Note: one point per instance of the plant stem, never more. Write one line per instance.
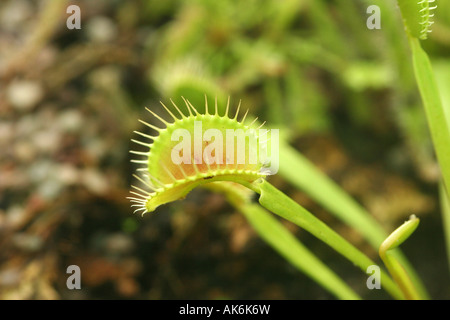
(276, 201)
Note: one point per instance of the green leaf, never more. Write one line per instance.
(434, 109)
(445, 205)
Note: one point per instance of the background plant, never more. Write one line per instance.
(346, 96)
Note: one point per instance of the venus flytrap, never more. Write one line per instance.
(169, 179)
(417, 16)
(166, 181)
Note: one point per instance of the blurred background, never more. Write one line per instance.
(343, 95)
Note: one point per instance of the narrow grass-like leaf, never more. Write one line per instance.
(445, 207)
(434, 109)
(443, 79)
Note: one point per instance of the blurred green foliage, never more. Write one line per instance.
(308, 66)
